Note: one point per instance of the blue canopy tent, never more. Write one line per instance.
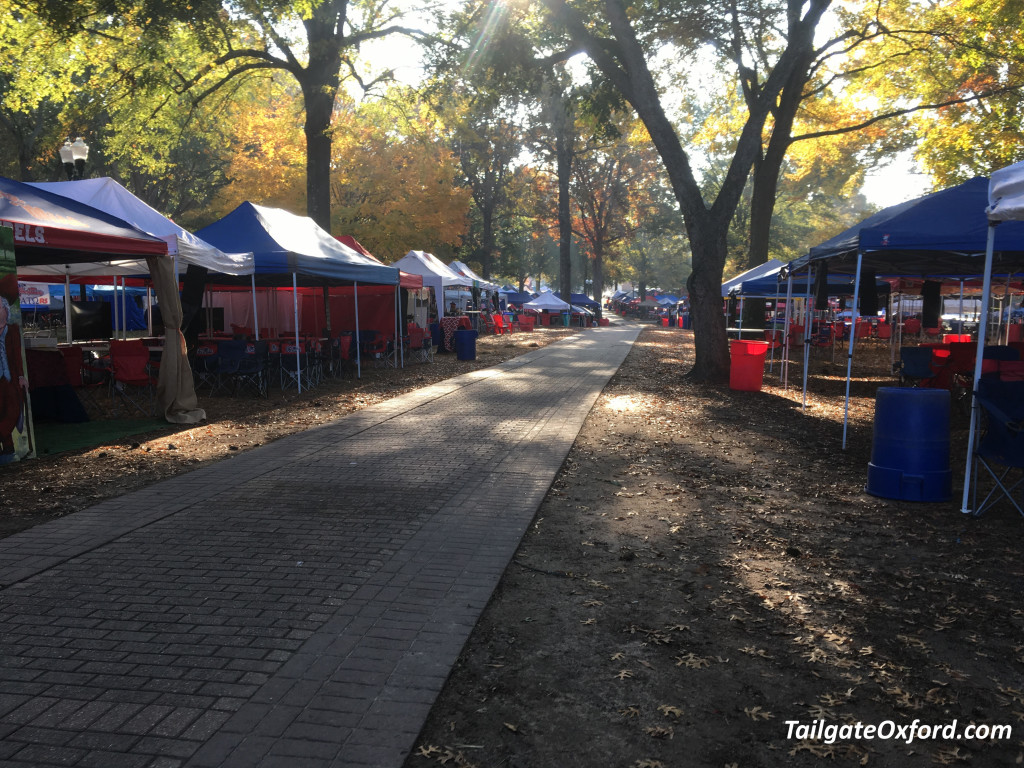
(943, 234)
(772, 266)
(580, 300)
(284, 245)
(518, 298)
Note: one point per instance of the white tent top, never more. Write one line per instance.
(434, 273)
(770, 266)
(429, 266)
(107, 195)
(462, 269)
(1006, 194)
(548, 301)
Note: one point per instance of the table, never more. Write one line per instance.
(750, 333)
(449, 325)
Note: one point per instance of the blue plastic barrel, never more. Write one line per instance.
(910, 452)
(465, 345)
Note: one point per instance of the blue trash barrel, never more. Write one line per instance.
(910, 452)
(435, 336)
(465, 345)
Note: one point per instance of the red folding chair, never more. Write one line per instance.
(130, 375)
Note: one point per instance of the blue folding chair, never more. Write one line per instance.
(916, 366)
(999, 449)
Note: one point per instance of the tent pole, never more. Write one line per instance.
(960, 325)
(398, 337)
(775, 312)
(1005, 308)
(808, 320)
(327, 309)
(295, 305)
(255, 311)
(854, 316)
(67, 303)
(986, 287)
(124, 307)
(359, 356)
(115, 307)
(149, 310)
(784, 368)
(892, 336)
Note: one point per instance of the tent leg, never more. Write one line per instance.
(808, 320)
(854, 317)
(359, 356)
(255, 311)
(986, 287)
(298, 354)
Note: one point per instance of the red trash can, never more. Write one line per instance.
(746, 368)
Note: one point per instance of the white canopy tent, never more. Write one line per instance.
(436, 274)
(462, 269)
(548, 301)
(107, 195)
(1005, 203)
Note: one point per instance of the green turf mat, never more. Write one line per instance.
(56, 438)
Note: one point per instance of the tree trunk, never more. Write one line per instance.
(768, 167)
(705, 289)
(563, 152)
(598, 275)
(487, 247)
(320, 81)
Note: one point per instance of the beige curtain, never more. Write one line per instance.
(175, 391)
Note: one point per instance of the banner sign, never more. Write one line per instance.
(33, 295)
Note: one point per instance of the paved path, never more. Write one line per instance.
(297, 605)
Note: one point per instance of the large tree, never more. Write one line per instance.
(315, 41)
(617, 181)
(622, 43)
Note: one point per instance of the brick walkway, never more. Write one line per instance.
(297, 605)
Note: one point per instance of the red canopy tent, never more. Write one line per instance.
(52, 229)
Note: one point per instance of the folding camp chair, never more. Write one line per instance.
(294, 365)
(1000, 445)
(205, 367)
(822, 337)
(252, 369)
(85, 379)
(916, 366)
(231, 353)
(130, 377)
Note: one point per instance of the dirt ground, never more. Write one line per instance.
(706, 584)
(708, 580)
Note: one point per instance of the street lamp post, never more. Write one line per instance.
(73, 156)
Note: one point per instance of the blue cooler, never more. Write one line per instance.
(910, 452)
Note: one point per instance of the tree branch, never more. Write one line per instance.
(909, 110)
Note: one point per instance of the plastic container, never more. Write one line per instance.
(910, 451)
(746, 367)
(664, 322)
(565, 319)
(465, 344)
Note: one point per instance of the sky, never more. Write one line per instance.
(898, 182)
